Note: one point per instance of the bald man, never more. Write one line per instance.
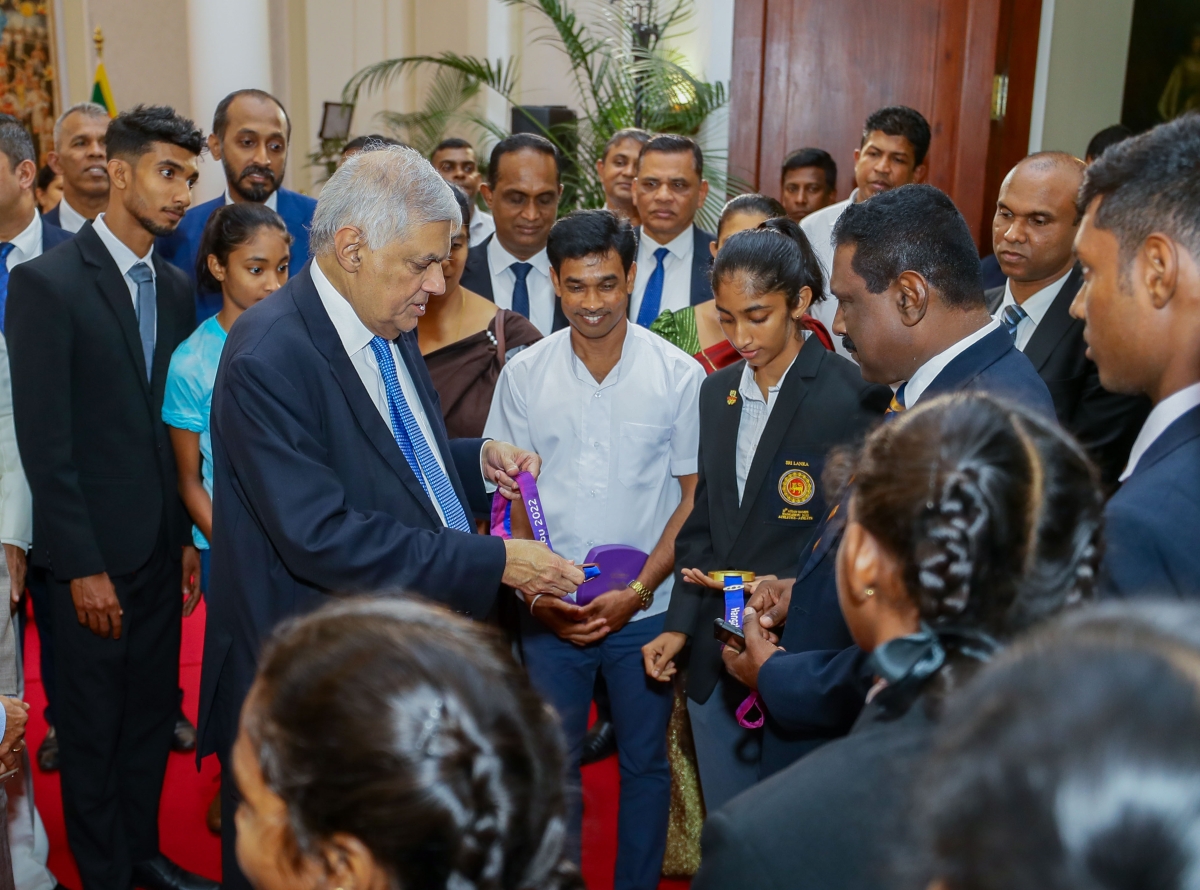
(1033, 233)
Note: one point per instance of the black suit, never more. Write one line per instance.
(102, 472)
(477, 277)
(1106, 423)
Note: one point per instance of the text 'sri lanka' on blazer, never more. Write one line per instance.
(1105, 423)
(815, 689)
(823, 404)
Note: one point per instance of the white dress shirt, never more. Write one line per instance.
(541, 289)
(927, 373)
(1161, 416)
(610, 451)
(356, 340)
(272, 199)
(756, 411)
(125, 258)
(16, 501)
(818, 226)
(482, 225)
(1036, 306)
(69, 218)
(677, 271)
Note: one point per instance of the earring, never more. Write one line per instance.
(870, 591)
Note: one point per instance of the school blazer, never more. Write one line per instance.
(1105, 423)
(823, 404)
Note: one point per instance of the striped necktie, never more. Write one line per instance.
(413, 444)
(1012, 317)
(897, 404)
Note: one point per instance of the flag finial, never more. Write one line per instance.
(98, 39)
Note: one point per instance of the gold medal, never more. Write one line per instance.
(720, 574)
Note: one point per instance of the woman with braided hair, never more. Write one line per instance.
(969, 520)
(389, 745)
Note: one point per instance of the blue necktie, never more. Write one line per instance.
(1013, 316)
(897, 404)
(147, 311)
(413, 444)
(652, 298)
(5, 249)
(520, 301)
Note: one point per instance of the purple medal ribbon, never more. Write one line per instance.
(502, 516)
(735, 605)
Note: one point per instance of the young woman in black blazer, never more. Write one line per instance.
(782, 408)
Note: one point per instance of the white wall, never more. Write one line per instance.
(1081, 72)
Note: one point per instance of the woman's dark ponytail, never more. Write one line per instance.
(774, 258)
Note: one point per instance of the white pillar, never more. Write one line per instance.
(229, 48)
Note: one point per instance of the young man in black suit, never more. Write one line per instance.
(911, 310)
(1033, 233)
(1139, 247)
(91, 327)
(673, 252)
(510, 267)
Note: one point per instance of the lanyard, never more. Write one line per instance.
(735, 599)
(502, 516)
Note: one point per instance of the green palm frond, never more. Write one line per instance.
(449, 91)
(500, 75)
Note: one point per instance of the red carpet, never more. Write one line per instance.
(187, 793)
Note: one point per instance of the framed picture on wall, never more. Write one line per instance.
(1162, 76)
(27, 71)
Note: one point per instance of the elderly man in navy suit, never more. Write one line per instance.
(251, 132)
(912, 313)
(1139, 247)
(332, 467)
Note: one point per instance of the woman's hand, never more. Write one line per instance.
(701, 579)
(659, 655)
(770, 599)
(760, 645)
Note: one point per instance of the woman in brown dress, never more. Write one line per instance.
(466, 339)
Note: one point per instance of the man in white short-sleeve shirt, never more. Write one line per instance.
(612, 410)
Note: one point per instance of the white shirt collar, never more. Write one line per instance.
(69, 218)
(499, 258)
(750, 390)
(1162, 416)
(613, 377)
(272, 199)
(125, 258)
(928, 372)
(350, 330)
(28, 244)
(680, 246)
(1036, 305)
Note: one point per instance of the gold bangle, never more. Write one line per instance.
(644, 593)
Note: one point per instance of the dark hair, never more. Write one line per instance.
(1070, 764)
(637, 134)
(358, 143)
(229, 227)
(751, 203)
(15, 141)
(583, 233)
(994, 513)
(918, 228)
(1149, 183)
(812, 157)
(672, 144)
(900, 120)
(45, 176)
(452, 142)
(1106, 137)
(131, 133)
(775, 257)
(221, 115)
(464, 204)
(413, 730)
(517, 142)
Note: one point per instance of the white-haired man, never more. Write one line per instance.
(79, 157)
(333, 471)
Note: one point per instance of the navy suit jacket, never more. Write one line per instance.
(1151, 523)
(182, 245)
(477, 277)
(702, 260)
(313, 497)
(54, 218)
(815, 689)
(52, 235)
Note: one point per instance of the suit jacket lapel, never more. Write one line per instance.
(724, 454)
(1055, 323)
(701, 287)
(787, 403)
(111, 284)
(326, 339)
(969, 363)
(1183, 430)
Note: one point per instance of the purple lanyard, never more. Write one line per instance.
(502, 516)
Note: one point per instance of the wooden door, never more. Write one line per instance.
(808, 72)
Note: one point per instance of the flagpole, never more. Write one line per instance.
(101, 91)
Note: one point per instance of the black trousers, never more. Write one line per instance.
(116, 707)
(43, 616)
(225, 716)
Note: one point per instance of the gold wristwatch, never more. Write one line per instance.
(644, 592)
